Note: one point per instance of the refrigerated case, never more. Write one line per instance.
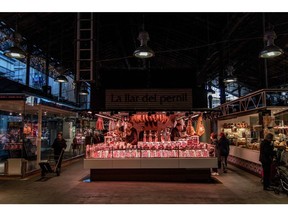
(182, 160)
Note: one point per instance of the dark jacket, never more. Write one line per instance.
(141, 135)
(224, 146)
(266, 152)
(174, 133)
(132, 138)
(58, 145)
(215, 142)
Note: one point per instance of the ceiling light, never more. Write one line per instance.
(83, 89)
(270, 50)
(230, 77)
(143, 51)
(61, 79)
(15, 51)
(83, 92)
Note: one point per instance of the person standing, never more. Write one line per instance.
(96, 137)
(131, 134)
(74, 145)
(141, 133)
(58, 145)
(266, 158)
(224, 151)
(175, 133)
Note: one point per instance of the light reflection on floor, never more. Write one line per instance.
(87, 180)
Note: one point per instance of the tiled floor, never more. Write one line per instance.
(234, 187)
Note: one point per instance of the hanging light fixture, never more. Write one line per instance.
(15, 51)
(83, 89)
(230, 77)
(143, 51)
(61, 79)
(83, 92)
(270, 50)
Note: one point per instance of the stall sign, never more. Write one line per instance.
(156, 99)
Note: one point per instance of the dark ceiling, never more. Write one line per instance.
(195, 47)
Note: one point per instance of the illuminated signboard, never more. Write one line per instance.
(157, 99)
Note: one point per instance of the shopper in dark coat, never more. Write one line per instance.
(266, 158)
(58, 145)
(224, 150)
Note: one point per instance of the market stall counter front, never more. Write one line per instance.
(150, 161)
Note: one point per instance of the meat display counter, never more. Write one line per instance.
(175, 160)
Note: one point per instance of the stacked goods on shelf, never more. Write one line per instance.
(173, 149)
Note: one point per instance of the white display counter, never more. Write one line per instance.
(245, 154)
(151, 169)
(145, 163)
(178, 160)
(246, 159)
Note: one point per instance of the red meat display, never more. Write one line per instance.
(179, 149)
(100, 124)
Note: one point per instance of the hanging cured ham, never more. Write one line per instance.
(189, 129)
(100, 124)
(200, 130)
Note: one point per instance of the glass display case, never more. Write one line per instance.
(172, 149)
(180, 159)
(155, 153)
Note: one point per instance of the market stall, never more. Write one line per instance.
(156, 157)
(28, 126)
(247, 120)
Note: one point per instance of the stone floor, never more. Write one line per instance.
(73, 187)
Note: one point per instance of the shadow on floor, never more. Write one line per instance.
(212, 180)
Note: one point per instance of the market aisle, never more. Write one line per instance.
(236, 186)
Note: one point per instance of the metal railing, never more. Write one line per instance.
(260, 99)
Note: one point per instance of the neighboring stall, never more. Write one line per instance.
(28, 126)
(248, 119)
